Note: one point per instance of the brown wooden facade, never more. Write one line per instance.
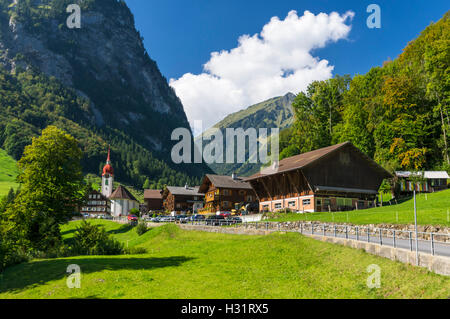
(182, 199)
(153, 199)
(222, 193)
(335, 178)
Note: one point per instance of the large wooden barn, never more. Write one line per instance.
(334, 178)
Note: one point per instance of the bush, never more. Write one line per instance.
(141, 228)
(93, 240)
(11, 254)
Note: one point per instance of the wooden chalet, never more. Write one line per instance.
(425, 182)
(96, 203)
(182, 199)
(334, 178)
(223, 192)
(153, 199)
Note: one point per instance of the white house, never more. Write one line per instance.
(122, 201)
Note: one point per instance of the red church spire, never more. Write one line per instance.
(108, 160)
(107, 169)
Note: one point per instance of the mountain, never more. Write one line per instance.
(97, 82)
(274, 113)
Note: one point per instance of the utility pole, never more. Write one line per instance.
(415, 225)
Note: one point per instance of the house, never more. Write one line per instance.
(182, 199)
(334, 178)
(427, 181)
(122, 201)
(222, 193)
(153, 199)
(96, 203)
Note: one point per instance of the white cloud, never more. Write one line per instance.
(275, 61)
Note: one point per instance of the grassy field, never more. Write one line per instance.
(190, 264)
(8, 173)
(432, 209)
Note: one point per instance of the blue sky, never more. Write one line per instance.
(181, 34)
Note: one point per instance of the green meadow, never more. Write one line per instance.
(8, 173)
(192, 264)
(432, 209)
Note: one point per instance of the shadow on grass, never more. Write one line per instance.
(33, 274)
(122, 229)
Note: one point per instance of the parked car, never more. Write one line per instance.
(184, 219)
(196, 217)
(215, 220)
(167, 219)
(235, 220)
(225, 214)
(132, 218)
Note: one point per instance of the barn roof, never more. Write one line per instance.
(152, 194)
(425, 174)
(122, 193)
(188, 191)
(306, 159)
(225, 181)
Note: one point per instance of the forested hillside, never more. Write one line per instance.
(97, 82)
(274, 113)
(397, 114)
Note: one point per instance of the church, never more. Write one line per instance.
(117, 202)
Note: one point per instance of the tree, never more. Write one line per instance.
(146, 184)
(52, 188)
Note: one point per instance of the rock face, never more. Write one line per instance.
(104, 61)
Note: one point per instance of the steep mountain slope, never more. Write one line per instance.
(273, 113)
(113, 92)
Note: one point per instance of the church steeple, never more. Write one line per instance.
(108, 169)
(108, 176)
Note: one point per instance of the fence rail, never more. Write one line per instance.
(429, 242)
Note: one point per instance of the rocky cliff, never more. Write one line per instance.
(104, 62)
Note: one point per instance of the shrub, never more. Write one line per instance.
(135, 251)
(93, 240)
(141, 228)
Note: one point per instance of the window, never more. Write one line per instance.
(291, 204)
(306, 202)
(319, 202)
(90, 196)
(226, 204)
(327, 202)
(241, 192)
(265, 207)
(106, 182)
(249, 198)
(277, 205)
(226, 192)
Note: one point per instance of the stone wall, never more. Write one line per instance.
(437, 264)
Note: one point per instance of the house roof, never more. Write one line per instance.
(425, 174)
(305, 159)
(188, 191)
(152, 194)
(122, 193)
(225, 181)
